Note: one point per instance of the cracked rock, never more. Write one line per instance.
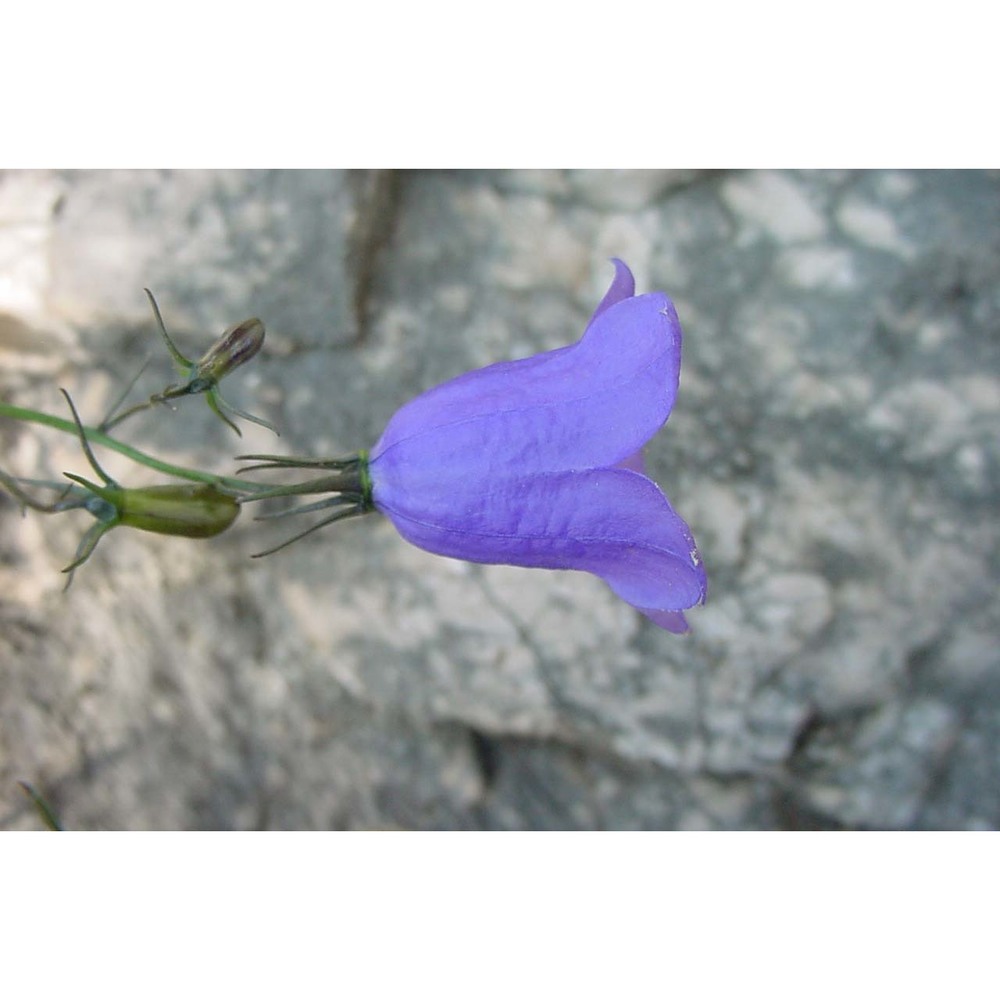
(834, 447)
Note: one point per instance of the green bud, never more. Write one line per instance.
(190, 510)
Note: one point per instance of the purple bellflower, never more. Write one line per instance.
(538, 462)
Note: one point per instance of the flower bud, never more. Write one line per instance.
(235, 347)
(189, 510)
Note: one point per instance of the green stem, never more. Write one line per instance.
(45, 811)
(97, 437)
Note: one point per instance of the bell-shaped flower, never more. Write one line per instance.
(538, 462)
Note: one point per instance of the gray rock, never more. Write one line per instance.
(835, 448)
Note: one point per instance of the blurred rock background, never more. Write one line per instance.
(835, 448)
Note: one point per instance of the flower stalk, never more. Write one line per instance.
(96, 436)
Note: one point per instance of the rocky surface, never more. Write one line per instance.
(835, 447)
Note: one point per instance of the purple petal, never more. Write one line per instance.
(622, 287)
(672, 621)
(610, 522)
(589, 405)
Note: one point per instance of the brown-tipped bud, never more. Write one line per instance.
(235, 347)
(193, 511)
